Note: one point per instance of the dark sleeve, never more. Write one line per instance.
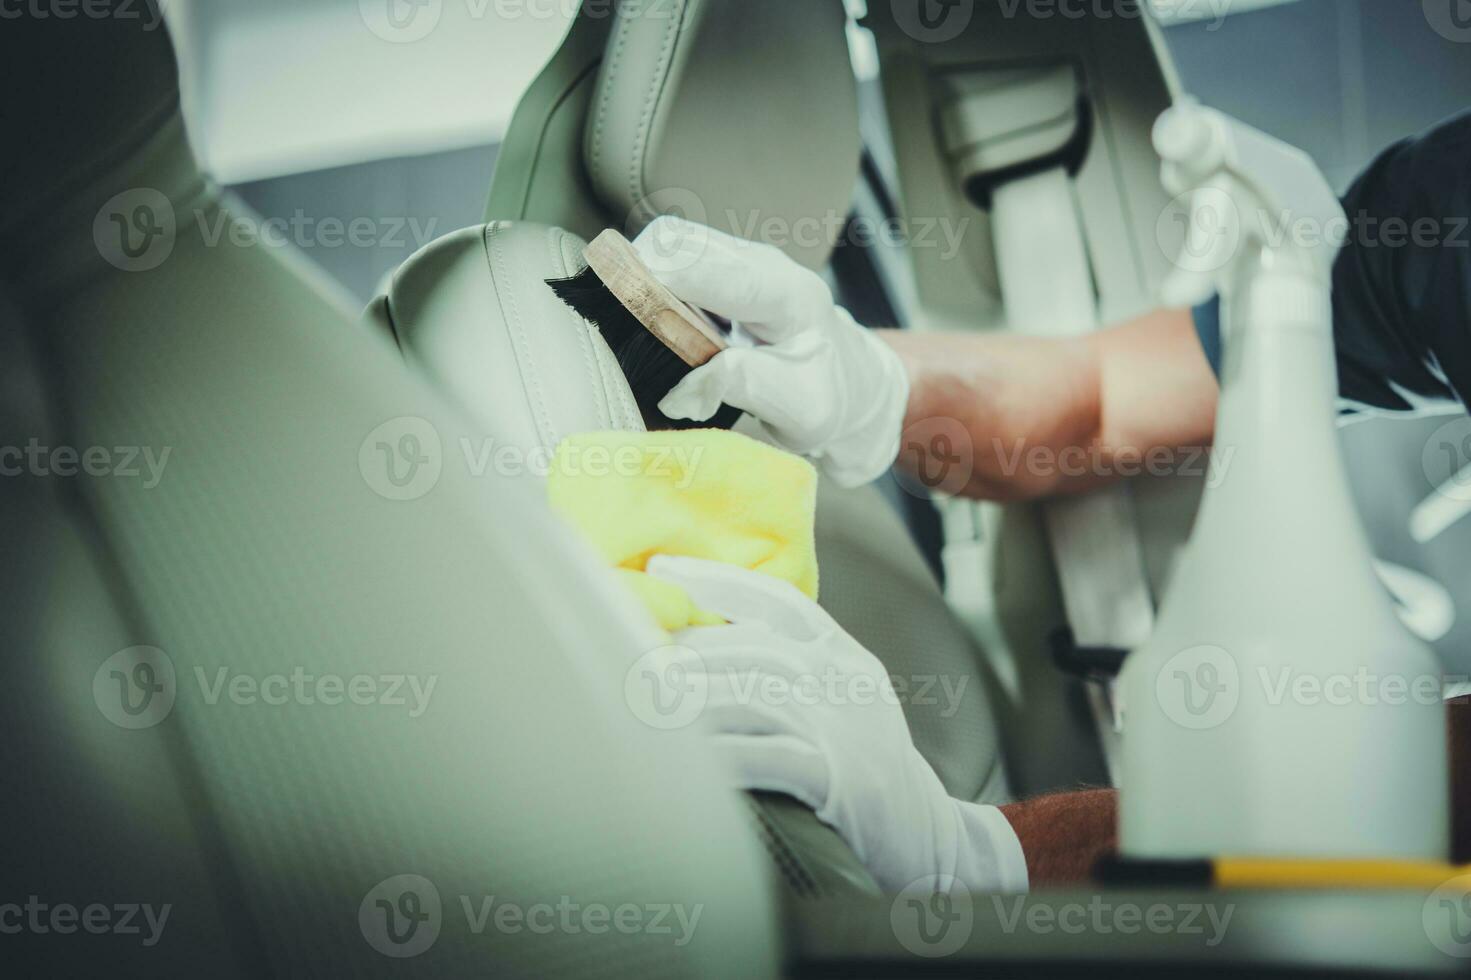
(1208, 327)
(1402, 282)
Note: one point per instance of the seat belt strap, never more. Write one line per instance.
(1047, 284)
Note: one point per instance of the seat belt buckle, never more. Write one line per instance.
(1093, 663)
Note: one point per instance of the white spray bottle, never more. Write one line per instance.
(1280, 709)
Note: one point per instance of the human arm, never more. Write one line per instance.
(1065, 835)
(827, 388)
(1108, 398)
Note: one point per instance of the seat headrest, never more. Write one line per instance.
(81, 94)
(474, 311)
(741, 114)
(107, 177)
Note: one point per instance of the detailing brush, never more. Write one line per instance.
(657, 338)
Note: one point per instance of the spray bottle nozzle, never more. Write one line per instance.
(1245, 194)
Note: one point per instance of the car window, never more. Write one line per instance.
(275, 87)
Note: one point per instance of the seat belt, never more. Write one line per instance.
(1016, 132)
(1047, 285)
(1094, 538)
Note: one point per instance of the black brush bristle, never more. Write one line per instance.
(651, 368)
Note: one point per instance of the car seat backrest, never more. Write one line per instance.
(739, 115)
(473, 311)
(309, 545)
(741, 110)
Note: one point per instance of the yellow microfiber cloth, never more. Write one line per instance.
(700, 493)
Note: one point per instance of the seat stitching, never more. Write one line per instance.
(601, 117)
(636, 168)
(631, 419)
(557, 241)
(620, 410)
(627, 417)
(505, 290)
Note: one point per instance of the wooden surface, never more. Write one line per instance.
(681, 329)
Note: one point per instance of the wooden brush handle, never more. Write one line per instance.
(665, 315)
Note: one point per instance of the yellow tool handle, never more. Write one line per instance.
(1296, 874)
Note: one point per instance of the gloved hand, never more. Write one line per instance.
(821, 385)
(797, 706)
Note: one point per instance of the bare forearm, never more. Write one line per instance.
(1065, 836)
(1054, 416)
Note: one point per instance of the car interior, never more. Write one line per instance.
(268, 550)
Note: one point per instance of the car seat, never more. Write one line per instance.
(665, 122)
(744, 115)
(319, 832)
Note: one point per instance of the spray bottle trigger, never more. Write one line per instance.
(1213, 235)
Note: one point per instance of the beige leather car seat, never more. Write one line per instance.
(279, 830)
(472, 312)
(744, 115)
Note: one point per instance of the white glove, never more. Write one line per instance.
(797, 706)
(821, 385)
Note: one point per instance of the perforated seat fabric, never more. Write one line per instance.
(276, 541)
